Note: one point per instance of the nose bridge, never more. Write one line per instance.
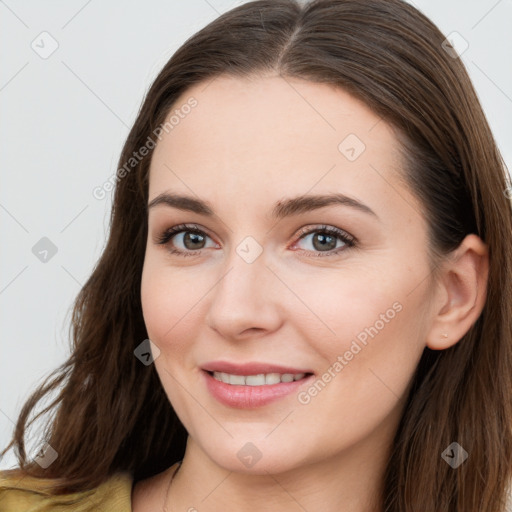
(242, 298)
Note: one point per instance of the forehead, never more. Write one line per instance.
(245, 115)
(274, 136)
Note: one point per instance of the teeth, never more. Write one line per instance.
(236, 379)
(253, 380)
(257, 380)
(272, 378)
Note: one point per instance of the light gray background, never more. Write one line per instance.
(63, 122)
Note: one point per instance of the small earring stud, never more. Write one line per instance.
(444, 335)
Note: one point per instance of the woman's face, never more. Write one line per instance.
(263, 283)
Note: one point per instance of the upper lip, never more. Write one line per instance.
(250, 368)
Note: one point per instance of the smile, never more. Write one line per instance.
(253, 390)
(261, 379)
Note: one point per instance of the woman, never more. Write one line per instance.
(311, 224)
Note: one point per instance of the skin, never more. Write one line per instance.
(248, 144)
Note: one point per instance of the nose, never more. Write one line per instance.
(245, 301)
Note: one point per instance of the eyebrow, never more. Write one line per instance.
(283, 208)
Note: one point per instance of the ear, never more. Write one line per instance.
(461, 293)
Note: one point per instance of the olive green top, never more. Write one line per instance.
(20, 493)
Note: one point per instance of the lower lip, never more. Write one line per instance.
(250, 397)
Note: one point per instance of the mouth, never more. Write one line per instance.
(253, 390)
(260, 379)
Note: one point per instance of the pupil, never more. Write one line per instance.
(192, 237)
(323, 238)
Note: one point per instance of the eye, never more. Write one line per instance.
(191, 237)
(325, 240)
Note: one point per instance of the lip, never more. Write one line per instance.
(251, 397)
(251, 368)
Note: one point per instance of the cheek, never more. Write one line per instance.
(332, 307)
(171, 304)
(170, 307)
(155, 303)
(368, 367)
(372, 320)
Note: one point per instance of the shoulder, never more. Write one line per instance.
(22, 493)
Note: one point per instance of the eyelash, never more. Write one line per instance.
(347, 239)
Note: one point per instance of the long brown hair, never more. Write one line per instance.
(111, 414)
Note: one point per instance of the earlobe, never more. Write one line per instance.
(461, 293)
